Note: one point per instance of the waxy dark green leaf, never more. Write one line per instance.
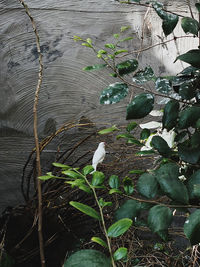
(192, 57)
(129, 209)
(159, 219)
(147, 185)
(193, 185)
(161, 146)
(192, 228)
(127, 66)
(86, 209)
(98, 178)
(143, 76)
(197, 5)
(145, 133)
(188, 117)
(171, 112)
(163, 85)
(189, 154)
(119, 227)
(120, 253)
(114, 93)
(140, 106)
(190, 25)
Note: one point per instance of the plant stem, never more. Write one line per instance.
(38, 163)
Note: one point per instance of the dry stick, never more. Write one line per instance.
(189, 5)
(38, 164)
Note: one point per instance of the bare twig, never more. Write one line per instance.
(189, 5)
(38, 164)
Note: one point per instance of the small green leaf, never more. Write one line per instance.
(125, 135)
(77, 38)
(137, 171)
(124, 28)
(104, 203)
(95, 67)
(101, 51)
(143, 76)
(140, 106)
(126, 39)
(170, 116)
(72, 174)
(145, 152)
(98, 178)
(159, 219)
(89, 41)
(115, 191)
(129, 209)
(59, 165)
(87, 258)
(192, 228)
(114, 181)
(128, 185)
(99, 241)
(120, 51)
(86, 209)
(119, 227)
(45, 177)
(87, 169)
(192, 57)
(120, 253)
(108, 130)
(161, 146)
(127, 66)
(147, 185)
(190, 25)
(116, 35)
(87, 45)
(111, 46)
(145, 133)
(114, 93)
(132, 125)
(163, 85)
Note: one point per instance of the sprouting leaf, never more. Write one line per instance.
(108, 130)
(190, 25)
(159, 219)
(98, 178)
(136, 171)
(171, 112)
(77, 38)
(192, 57)
(87, 45)
(161, 146)
(114, 181)
(88, 258)
(114, 93)
(127, 66)
(86, 209)
(95, 67)
(120, 253)
(101, 51)
(140, 106)
(124, 28)
(192, 227)
(120, 51)
(147, 185)
(87, 169)
(104, 203)
(126, 39)
(143, 76)
(131, 126)
(116, 35)
(128, 185)
(111, 46)
(99, 241)
(119, 227)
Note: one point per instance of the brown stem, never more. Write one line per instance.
(38, 164)
(189, 5)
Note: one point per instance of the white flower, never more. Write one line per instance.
(156, 113)
(151, 125)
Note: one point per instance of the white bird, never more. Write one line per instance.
(99, 155)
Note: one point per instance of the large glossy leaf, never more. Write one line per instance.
(86, 209)
(188, 117)
(87, 258)
(114, 93)
(167, 176)
(189, 154)
(159, 219)
(95, 67)
(192, 57)
(127, 66)
(190, 25)
(147, 185)
(120, 253)
(140, 106)
(193, 185)
(187, 90)
(171, 111)
(163, 85)
(169, 20)
(129, 209)
(119, 227)
(192, 228)
(161, 146)
(87, 169)
(143, 76)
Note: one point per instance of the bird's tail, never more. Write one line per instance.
(95, 167)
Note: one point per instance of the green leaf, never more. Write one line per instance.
(111, 46)
(129, 209)
(159, 219)
(114, 93)
(89, 41)
(114, 181)
(87, 169)
(98, 178)
(192, 57)
(161, 146)
(171, 112)
(116, 35)
(99, 241)
(128, 185)
(145, 133)
(125, 135)
(190, 25)
(120, 253)
(77, 38)
(124, 28)
(127, 66)
(126, 39)
(59, 165)
(137, 171)
(179, 137)
(108, 130)
(163, 85)
(169, 20)
(143, 76)
(132, 125)
(86, 209)
(187, 90)
(147, 185)
(120, 51)
(197, 5)
(88, 258)
(104, 203)
(192, 228)
(119, 227)
(189, 154)
(45, 177)
(87, 45)
(101, 51)
(188, 117)
(115, 191)
(140, 106)
(167, 177)
(193, 184)
(95, 67)
(72, 174)
(145, 152)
